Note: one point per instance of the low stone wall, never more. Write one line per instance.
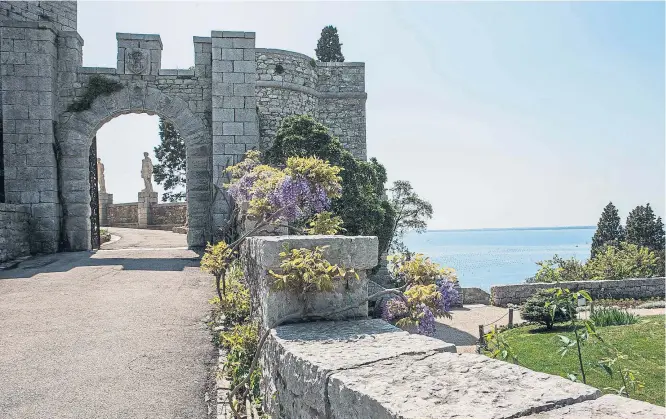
(355, 367)
(14, 231)
(639, 288)
(168, 215)
(161, 216)
(475, 296)
(123, 215)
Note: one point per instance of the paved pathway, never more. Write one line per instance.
(132, 238)
(111, 334)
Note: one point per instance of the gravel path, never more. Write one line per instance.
(111, 334)
(132, 238)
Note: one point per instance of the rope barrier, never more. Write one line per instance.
(506, 314)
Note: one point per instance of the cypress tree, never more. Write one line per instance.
(329, 48)
(609, 230)
(644, 229)
(170, 171)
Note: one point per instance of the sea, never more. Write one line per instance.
(487, 257)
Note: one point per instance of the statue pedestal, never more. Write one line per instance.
(146, 199)
(104, 200)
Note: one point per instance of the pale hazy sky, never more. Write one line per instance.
(501, 114)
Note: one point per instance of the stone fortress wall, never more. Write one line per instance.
(230, 102)
(637, 288)
(14, 231)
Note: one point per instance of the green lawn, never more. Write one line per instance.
(642, 342)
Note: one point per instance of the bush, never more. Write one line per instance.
(607, 316)
(558, 269)
(627, 261)
(235, 304)
(241, 344)
(535, 310)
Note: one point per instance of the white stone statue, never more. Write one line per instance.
(147, 173)
(100, 176)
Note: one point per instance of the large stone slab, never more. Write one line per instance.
(261, 254)
(444, 385)
(606, 407)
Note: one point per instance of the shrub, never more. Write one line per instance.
(535, 309)
(235, 304)
(607, 316)
(241, 344)
(558, 269)
(627, 261)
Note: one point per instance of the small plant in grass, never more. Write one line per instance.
(498, 347)
(536, 310)
(629, 377)
(608, 316)
(564, 301)
(429, 292)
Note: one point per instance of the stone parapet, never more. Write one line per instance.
(638, 288)
(371, 369)
(260, 254)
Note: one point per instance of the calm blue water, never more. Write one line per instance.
(493, 257)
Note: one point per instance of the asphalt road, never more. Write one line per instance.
(111, 334)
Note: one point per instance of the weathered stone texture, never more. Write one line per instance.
(61, 14)
(640, 288)
(14, 231)
(371, 369)
(122, 215)
(606, 407)
(168, 215)
(262, 253)
(475, 296)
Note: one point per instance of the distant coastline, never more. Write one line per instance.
(512, 229)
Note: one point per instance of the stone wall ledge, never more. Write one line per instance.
(309, 90)
(606, 407)
(96, 70)
(371, 369)
(30, 25)
(71, 34)
(139, 37)
(260, 51)
(637, 288)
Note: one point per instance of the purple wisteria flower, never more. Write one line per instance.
(449, 295)
(426, 325)
(299, 198)
(394, 309)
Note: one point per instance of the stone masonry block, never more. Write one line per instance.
(233, 102)
(232, 54)
(244, 89)
(245, 66)
(262, 253)
(606, 407)
(232, 128)
(245, 115)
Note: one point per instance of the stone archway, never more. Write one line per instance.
(75, 134)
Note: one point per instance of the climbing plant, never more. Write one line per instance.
(97, 86)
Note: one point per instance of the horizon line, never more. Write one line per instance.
(512, 228)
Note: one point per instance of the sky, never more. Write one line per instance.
(501, 114)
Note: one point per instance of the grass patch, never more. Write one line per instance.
(609, 316)
(643, 342)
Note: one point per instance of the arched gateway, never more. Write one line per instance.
(230, 101)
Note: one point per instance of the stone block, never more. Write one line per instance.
(232, 54)
(262, 253)
(606, 407)
(245, 66)
(233, 102)
(232, 128)
(245, 115)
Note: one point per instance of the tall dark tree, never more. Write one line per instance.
(329, 48)
(170, 171)
(609, 230)
(644, 229)
(411, 213)
(363, 206)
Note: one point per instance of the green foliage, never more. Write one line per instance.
(329, 48)
(644, 230)
(609, 230)
(235, 303)
(97, 86)
(630, 380)
(643, 342)
(241, 344)
(607, 316)
(170, 169)
(418, 269)
(411, 213)
(362, 206)
(496, 346)
(558, 269)
(324, 223)
(625, 261)
(104, 235)
(216, 261)
(306, 271)
(537, 309)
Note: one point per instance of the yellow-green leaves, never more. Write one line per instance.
(304, 271)
(419, 269)
(216, 259)
(324, 223)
